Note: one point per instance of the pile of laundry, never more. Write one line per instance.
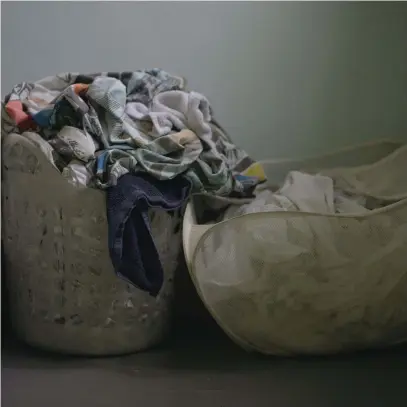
(311, 193)
(351, 190)
(143, 138)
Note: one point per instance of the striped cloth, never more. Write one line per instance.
(140, 121)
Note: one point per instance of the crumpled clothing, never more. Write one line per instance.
(302, 192)
(132, 249)
(351, 190)
(77, 174)
(74, 144)
(132, 118)
(209, 161)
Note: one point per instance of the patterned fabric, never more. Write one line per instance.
(132, 249)
(141, 121)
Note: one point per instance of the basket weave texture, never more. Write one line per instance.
(64, 294)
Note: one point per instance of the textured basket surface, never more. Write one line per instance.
(292, 282)
(64, 294)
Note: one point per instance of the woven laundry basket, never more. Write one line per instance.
(64, 294)
(286, 283)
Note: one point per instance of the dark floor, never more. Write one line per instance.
(202, 370)
(199, 367)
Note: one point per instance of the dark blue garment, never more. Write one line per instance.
(132, 248)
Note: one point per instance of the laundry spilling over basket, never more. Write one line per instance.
(97, 170)
(317, 262)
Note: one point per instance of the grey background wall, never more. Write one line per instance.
(286, 79)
